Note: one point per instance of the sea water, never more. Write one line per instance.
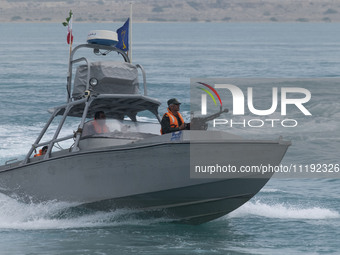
(288, 216)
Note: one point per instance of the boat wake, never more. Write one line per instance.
(283, 211)
(61, 215)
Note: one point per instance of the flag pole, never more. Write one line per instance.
(68, 24)
(69, 61)
(130, 34)
(71, 32)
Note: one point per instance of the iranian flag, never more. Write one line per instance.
(68, 23)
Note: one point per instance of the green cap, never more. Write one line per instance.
(173, 101)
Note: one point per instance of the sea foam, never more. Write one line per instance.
(64, 215)
(283, 211)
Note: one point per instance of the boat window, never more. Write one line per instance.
(114, 127)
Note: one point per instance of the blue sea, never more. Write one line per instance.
(288, 216)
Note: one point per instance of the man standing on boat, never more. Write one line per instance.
(172, 120)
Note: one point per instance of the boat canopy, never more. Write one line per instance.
(115, 106)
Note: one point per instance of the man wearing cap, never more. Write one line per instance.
(172, 120)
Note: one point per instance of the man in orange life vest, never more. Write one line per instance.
(172, 120)
(97, 126)
(42, 151)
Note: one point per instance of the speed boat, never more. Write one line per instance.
(131, 165)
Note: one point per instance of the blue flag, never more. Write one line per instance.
(123, 36)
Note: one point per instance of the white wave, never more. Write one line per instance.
(16, 215)
(59, 215)
(283, 211)
(271, 190)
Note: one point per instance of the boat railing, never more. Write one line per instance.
(50, 145)
(144, 79)
(55, 138)
(95, 48)
(10, 160)
(88, 69)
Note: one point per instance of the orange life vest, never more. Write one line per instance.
(39, 154)
(100, 129)
(173, 119)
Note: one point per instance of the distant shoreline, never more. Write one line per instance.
(171, 22)
(156, 11)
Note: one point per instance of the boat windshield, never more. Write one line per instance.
(120, 128)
